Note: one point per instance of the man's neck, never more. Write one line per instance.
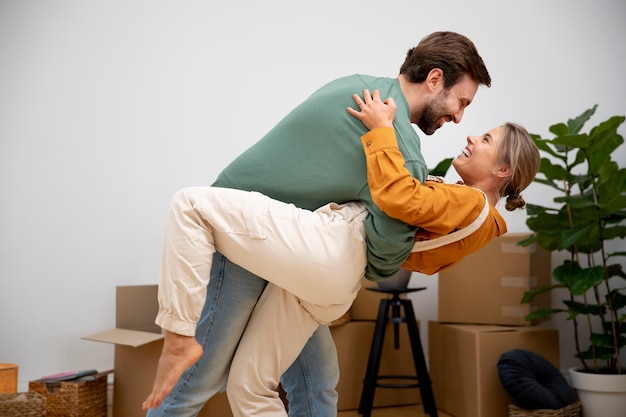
(414, 96)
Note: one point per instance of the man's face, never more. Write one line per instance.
(447, 105)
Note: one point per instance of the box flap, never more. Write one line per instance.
(125, 337)
(136, 307)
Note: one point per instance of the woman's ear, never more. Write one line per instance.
(504, 171)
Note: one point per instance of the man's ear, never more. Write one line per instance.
(435, 79)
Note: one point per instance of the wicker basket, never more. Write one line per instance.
(74, 398)
(572, 410)
(8, 378)
(22, 404)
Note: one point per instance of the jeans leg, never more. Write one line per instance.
(232, 295)
(311, 380)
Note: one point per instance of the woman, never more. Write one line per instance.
(316, 259)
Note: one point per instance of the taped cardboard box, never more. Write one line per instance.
(138, 342)
(463, 362)
(487, 286)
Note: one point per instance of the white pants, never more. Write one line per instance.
(314, 259)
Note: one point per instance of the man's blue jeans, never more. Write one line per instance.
(232, 294)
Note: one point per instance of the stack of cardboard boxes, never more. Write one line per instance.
(481, 317)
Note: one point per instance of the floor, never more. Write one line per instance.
(404, 411)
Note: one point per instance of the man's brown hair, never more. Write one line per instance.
(451, 52)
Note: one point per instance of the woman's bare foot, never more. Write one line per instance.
(179, 353)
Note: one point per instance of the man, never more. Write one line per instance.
(309, 159)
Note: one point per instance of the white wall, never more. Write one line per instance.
(106, 108)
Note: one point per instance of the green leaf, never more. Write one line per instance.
(572, 236)
(559, 129)
(565, 272)
(528, 241)
(599, 353)
(553, 172)
(530, 295)
(586, 279)
(442, 168)
(541, 314)
(615, 270)
(577, 201)
(614, 232)
(603, 141)
(617, 299)
(573, 141)
(620, 327)
(602, 340)
(543, 145)
(575, 308)
(574, 125)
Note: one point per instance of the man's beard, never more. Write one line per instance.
(432, 113)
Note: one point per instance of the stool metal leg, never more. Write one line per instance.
(397, 319)
(423, 377)
(373, 364)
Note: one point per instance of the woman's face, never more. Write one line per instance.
(477, 163)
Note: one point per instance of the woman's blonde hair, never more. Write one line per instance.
(517, 150)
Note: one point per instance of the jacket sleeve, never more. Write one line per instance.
(436, 207)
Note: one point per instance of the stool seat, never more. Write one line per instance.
(395, 305)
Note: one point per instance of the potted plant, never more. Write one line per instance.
(588, 222)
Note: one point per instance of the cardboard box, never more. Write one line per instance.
(463, 364)
(487, 286)
(138, 342)
(353, 341)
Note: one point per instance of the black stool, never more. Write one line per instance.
(370, 383)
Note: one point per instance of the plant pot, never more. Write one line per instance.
(399, 280)
(601, 395)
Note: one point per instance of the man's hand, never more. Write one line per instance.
(374, 112)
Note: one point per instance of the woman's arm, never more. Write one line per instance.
(439, 208)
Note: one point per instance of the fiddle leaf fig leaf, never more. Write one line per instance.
(571, 236)
(542, 314)
(616, 299)
(530, 295)
(442, 168)
(577, 279)
(553, 172)
(572, 141)
(575, 308)
(596, 353)
(604, 340)
(576, 124)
